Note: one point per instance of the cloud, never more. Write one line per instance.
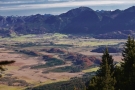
(65, 4)
(29, 7)
(21, 1)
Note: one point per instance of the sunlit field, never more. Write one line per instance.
(30, 67)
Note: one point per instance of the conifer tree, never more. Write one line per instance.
(104, 80)
(128, 65)
(108, 57)
(118, 74)
(108, 80)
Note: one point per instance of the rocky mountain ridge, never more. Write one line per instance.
(75, 21)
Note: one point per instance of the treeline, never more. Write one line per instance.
(113, 77)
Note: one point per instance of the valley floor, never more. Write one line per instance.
(21, 71)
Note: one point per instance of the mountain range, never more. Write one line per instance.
(82, 20)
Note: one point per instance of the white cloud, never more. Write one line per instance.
(29, 7)
(20, 1)
(65, 4)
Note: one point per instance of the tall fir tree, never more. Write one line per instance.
(108, 80)
(118, 74)
(108, 57)
(104, 80)
(128, 65)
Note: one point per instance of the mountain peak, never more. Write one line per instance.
(76, 11)
(85, 8)
(130, 9)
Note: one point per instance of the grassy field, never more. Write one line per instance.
(51, 81)
(90, 70)
(22, 67)
(5, 87)
(63, 39)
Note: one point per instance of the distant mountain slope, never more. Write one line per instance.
(79, 20)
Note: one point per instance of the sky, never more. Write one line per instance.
(56, 7)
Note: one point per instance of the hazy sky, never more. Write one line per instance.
(29, 7)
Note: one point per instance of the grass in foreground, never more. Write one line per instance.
(91, 69)
(5, 87)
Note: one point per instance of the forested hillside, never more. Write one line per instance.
(101, 24)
